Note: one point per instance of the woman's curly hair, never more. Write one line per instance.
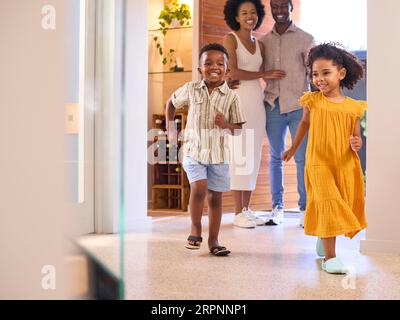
(341, 58)
(231, 12)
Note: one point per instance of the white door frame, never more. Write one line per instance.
(83, 210)
(107, 116)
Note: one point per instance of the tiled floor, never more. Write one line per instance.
(269, 262)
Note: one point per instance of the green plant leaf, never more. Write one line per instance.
(162, 14)
(164, 61)
(363, 124)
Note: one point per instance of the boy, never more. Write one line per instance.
(213, 110)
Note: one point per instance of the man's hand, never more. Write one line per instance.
(220, 120)
(355, 143)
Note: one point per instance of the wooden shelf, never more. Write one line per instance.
(167, 186)
(172, 28)
(170, 189)
(169, 72)
(168, 162)
(166, 212)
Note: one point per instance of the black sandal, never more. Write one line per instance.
(219, 251)
(194, 242)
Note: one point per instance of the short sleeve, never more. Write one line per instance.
(180, 97)
(361, 108)
(235, 112)
(307, 100)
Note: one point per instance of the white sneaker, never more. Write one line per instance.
(243, 221)
(302, 212)
(334, 266)
(276, 216)
(258, 221)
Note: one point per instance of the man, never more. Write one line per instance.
(286, 48)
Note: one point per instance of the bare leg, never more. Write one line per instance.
(246, 196)
(198, 192)
(214, 217)
(237, 197)
(329, 247)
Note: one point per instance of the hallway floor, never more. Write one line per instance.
(269, 262)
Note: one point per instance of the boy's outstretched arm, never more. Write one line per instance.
(302, 129)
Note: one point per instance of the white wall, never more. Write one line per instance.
(383, 153)
(33, 91)
(136, 80)
(121, 116)
(324, 27)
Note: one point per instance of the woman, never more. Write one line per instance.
(246, 62)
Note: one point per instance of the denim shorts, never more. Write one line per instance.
(217, 175)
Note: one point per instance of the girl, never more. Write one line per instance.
(333, 174)
(246, 63)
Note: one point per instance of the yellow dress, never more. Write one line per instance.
(333, 175)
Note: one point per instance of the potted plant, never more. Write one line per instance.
(172, 15)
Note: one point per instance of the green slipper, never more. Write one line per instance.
(320, 248)
(334, 266)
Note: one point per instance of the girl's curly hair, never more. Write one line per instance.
(231, 12)
(341, 58)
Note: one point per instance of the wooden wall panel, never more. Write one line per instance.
(212, 29)
(212, 23)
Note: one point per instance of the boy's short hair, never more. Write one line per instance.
(213, 46)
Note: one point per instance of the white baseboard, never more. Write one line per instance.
(380, 246)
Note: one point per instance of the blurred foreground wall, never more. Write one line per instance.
(33, 64)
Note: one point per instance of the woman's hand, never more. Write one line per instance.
(287, 155)
(274, 74)
(355, 143)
